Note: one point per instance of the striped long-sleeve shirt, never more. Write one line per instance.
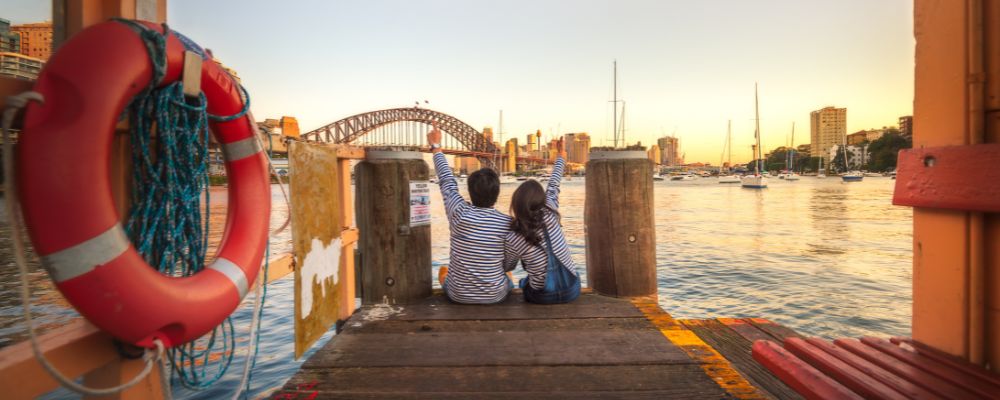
(533, 258)
(475, 271)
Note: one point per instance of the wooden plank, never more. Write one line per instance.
(669, 381)
(949, 177)
(909, 389)
(798, 374)
(632, 395)
(477, 326)
(279, 267)
(913, 374)
(745, 329)
(506, 347)
(438, 308)
(75, 349)
(778, 331)
(736, 348)
(969, 382)
(849, 376)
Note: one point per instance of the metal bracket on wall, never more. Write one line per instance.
(953, 177)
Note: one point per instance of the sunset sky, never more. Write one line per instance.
(684, 67)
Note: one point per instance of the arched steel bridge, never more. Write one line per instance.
(408, 127)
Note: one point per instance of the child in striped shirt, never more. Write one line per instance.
(475, 273)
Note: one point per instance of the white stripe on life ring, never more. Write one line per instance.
(240, 149)
(233, 272)
(82, 258)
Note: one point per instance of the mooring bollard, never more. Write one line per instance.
(393, 202)
(618, 220)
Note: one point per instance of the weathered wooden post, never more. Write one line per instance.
(618, 219)
(393, 202)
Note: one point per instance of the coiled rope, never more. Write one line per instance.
(165, 222)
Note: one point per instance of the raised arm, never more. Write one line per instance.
(453, 201)
(552, 193)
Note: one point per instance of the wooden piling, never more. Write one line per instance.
(618, 219)
(395, 249)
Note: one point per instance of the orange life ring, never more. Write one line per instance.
(63, 175)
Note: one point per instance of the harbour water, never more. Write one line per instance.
(820, 256)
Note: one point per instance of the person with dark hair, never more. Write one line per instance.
(536, 240)
(475, 273)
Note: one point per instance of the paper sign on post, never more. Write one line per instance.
(420, 203)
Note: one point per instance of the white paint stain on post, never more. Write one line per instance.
(321, 263)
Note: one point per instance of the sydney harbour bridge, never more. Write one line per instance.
(408, 127)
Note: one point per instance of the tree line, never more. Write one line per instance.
(882, 155)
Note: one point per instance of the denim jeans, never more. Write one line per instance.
(564, 295)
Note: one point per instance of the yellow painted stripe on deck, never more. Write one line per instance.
(714, 364)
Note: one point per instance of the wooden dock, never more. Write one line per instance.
(595, 347)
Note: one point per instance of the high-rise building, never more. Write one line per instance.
(906, 125)
(581, 148)
(670, 147)
(511, 151)
(20, 66)
(827, 127)
(36, 39)
(9, 42)
(552, 150)
(654, 154)
(568, 140)
(532, 146)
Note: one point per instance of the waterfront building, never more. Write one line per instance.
(552, 150)
(906, 125)
(511, 151)
(19, 65)
(9, 42)
(654, 154)
(669, 151)
(36, 39)
(827, 127)
(577, 147)
(857, 137)
(568, 140)
(531, 147)
(581, 148)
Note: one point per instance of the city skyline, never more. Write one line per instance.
(684, 69)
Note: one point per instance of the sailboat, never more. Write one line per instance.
(850, 176)
(820, 172)
(790, 158)
(757, 180)
(729, 146)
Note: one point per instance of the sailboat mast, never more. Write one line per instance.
(791, 155)
(729, 137)
(614, 105)
(756, 132)
(623, 124)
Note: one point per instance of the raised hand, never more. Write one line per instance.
(434, 137)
